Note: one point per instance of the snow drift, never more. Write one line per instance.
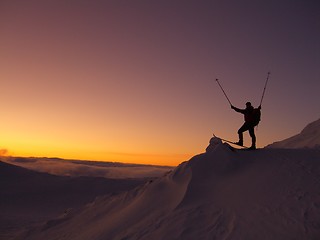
(308, 138)
(219, 194)
(28, 197)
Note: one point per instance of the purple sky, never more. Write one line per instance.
(134, 80)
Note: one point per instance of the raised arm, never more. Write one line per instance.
(238, 109)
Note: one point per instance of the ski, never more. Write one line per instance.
(228, 141)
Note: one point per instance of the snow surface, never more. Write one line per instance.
(308, 138)
(28, 197)
(219, 194)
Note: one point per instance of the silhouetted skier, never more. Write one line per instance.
(251, 119)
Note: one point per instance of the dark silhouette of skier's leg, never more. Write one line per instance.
(240, 142)
(253, 137)
(240, 133)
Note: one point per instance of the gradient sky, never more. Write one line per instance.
(133, 81)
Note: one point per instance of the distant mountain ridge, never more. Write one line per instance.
(309, 137)
(77, 168)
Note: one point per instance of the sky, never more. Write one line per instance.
(134, 81)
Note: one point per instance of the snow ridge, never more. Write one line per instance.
(219, 194)
(309, 137)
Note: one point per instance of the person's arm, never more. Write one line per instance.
(238, 109)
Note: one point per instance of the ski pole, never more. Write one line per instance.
(264, 89)
(223, 91)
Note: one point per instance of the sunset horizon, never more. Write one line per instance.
(135, 82)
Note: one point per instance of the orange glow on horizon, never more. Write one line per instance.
(134, 158)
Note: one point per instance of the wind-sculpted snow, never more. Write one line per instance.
(220, 194)
(28, 197)
(108, 217)
(308, 138)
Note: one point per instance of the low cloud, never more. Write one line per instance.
(92, 169)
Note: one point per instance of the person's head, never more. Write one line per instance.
(248, 104)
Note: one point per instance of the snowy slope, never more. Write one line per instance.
(220, 194)
(308, 138)
(28, 197)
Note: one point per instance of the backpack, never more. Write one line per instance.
(256, 116)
